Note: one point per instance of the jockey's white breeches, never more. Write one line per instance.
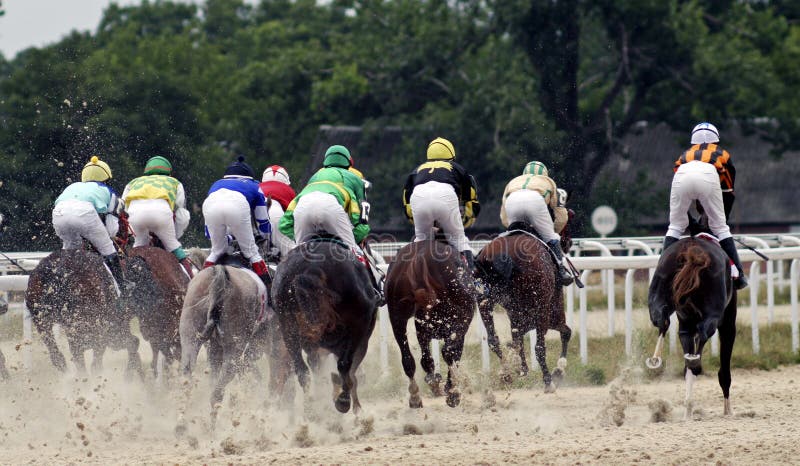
(437, 202)
(74, 219)
(152, 216)
(318, 212)
(697, 181)
(225, 211)
(529, 206)
(281, 241)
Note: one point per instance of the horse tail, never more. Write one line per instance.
(216, 290)
(315, 302)
(692, 261)
(421, 283)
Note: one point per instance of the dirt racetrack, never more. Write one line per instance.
(47, 418)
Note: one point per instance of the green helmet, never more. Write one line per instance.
(158, 166)
(338, 156)
(535, 168)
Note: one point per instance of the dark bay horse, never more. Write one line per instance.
(324, 300)
(521, 276)
(157, 298)
(74, 289)
(693, 279)
(427, 280)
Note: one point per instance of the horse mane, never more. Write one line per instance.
(692, 262)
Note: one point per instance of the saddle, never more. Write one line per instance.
(522, 227)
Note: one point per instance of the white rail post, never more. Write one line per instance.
(608, 275)
(583, 340)
(673, 333)
(436, 354)
(754, 278)
(383, 325)
(794, 272)
(485, 364)
(715, 343)
(761, 244)
(534, 362)
(629, 310)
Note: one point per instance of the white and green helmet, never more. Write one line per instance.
(535, 168)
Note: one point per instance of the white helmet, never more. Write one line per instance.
(562, 197)
(276, 173)
(704, 133)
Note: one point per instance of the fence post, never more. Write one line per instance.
(629, 310)
(383, 323)
(754, 278)
(583, 340)
(794, 271)
(485, 365)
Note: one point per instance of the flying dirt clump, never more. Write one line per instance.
(659, 410)
(613, 411)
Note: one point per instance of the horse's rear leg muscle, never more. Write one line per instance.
(432, 378)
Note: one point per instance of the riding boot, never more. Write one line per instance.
(187, 265)
(481, 290)
(668, 241)
(565, 277)
(373, 280)
(729, 247)
(112, 261)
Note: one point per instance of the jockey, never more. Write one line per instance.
(529, 198)
(156, 203)
(86, 209)
(230, 204)
(436, 192)
(334, 202)
(275, 185)
(704, 173)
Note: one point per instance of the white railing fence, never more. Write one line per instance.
(778, 248)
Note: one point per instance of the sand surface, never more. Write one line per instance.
(48, 418)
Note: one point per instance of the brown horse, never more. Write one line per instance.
(157, 299)
(74, 289)
(521, 276)
(230, 299)
(324, 300)
(693, 279)
(428, 281)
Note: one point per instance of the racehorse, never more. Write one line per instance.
(520, 274)
(157, 299)
(324, 300)
(693, 278)
(74, 289)
(428, 281)
(222, 304)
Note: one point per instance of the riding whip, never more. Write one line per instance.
(13, 262)
(575, 273)
(759, 254)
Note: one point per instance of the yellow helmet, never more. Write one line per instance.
(96, 170)
(441, 149)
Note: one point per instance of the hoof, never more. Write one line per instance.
(415, 402)
(558, 376)
(653, 363)
(692, 360)
(506, 378)
(453, 399)
(523, 372)
(343, 403)
(549, 388)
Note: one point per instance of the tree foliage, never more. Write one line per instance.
(508, 81)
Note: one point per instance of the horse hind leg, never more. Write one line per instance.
(98, 351)
(345, 380)
(453, 349)
(432, 378)
(78, 350)
(727, 336)
(56, 356)
(134, 360)
(409, 366)
(227, 372)
(558, 372)
(541, 358)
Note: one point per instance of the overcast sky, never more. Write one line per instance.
(34, 23)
